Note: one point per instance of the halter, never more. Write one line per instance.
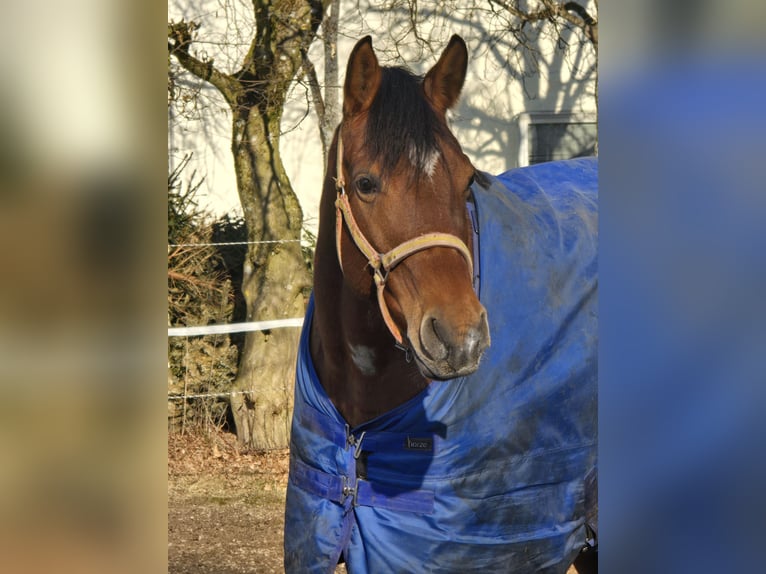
(383, 263)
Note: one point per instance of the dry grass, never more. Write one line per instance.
(225, 507)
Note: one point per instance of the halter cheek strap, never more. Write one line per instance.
(383, 263)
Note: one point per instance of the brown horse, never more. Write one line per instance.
(400, 459)
(404, 176)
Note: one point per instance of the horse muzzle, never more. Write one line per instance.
(451, 342)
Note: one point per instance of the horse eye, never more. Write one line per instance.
(365, 185)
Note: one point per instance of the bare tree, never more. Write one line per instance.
(276, 278)
(547, 12)
(545, 48)
(516, 31)
(326, 101)
(527, 22)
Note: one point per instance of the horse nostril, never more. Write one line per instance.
(482, 333)
(459, 347)
(434, 342)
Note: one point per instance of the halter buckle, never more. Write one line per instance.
(407, 351)
(380, 274)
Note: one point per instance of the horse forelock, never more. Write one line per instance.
(401, 123)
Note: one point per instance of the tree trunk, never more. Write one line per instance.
(275, 282)
(276, 278)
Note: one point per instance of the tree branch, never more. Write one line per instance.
(543, 14)
(179, 41)
(588, 24)
(313, 80)
(571, 12)
(331, 84)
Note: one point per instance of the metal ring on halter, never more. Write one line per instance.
(383, 263)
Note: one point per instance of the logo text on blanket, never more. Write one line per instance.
(425, 444)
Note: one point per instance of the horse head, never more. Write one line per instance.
(402, 229)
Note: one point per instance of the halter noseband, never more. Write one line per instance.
(383, 263)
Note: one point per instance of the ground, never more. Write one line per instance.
(225, 506)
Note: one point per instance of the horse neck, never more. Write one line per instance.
(353, 352)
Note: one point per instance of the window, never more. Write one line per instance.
(553, 136)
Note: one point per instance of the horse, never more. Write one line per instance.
(445, 396)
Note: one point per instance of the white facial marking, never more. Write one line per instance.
(426, 164)
(429, 166)
(364, 359)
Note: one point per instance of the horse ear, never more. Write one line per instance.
(444, 81)
(362, 78)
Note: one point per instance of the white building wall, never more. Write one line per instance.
(486, 120)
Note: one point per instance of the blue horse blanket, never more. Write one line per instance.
(487, 473)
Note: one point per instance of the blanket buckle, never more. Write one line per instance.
(350, 490)
(355, 442)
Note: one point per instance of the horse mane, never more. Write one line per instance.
(401, 123)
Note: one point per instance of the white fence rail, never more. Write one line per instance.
(234, 327)
(227, 328)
